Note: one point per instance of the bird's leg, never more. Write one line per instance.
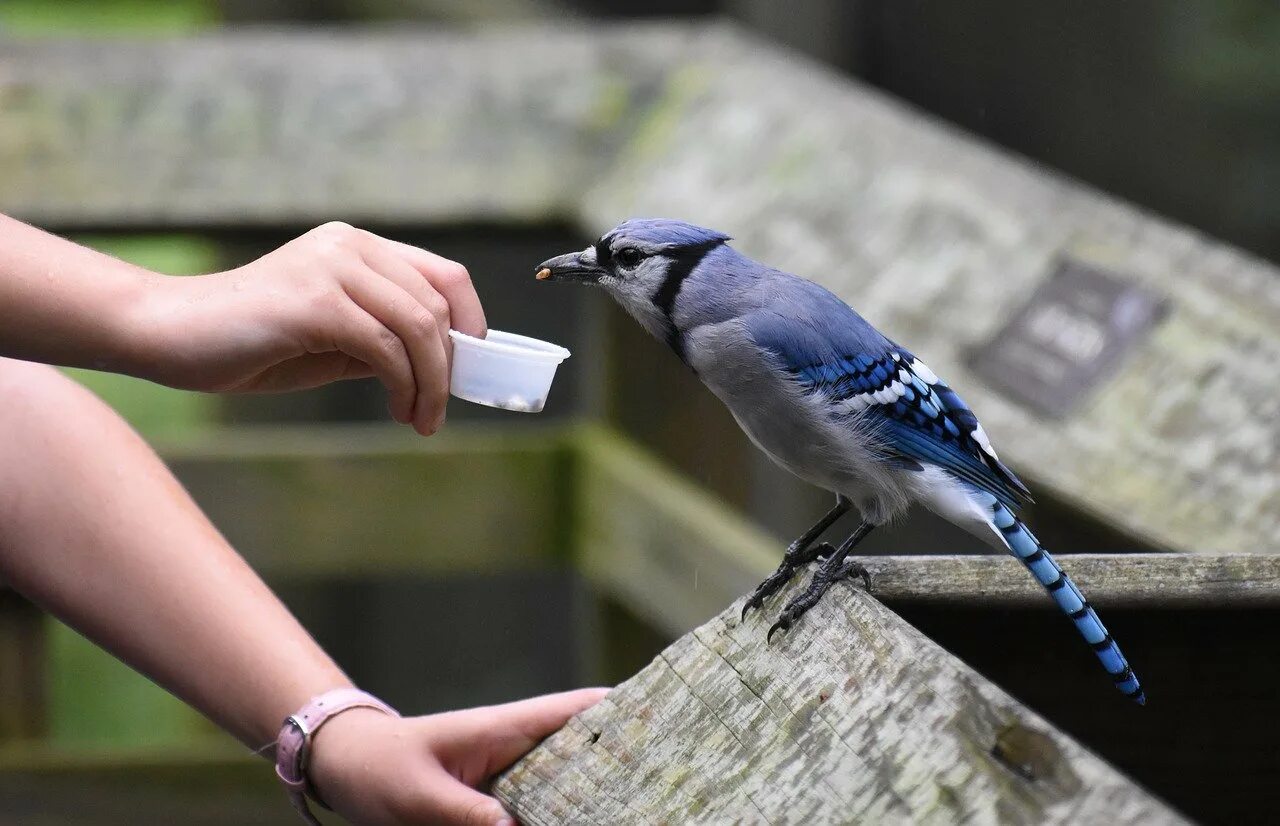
(832, 570)
(799, 553)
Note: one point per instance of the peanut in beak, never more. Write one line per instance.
(543, 274)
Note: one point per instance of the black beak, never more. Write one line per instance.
(571, 267)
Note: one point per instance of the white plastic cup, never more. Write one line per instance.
(504, 370)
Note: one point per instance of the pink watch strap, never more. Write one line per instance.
(294, 744)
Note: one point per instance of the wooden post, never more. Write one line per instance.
(852, 716)
(1196, 626)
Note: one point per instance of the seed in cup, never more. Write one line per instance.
(504, 370)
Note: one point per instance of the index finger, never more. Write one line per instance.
(512, 729)
(452, 281)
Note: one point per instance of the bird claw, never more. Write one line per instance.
(823, 579)
(768, 587)
(794, 611)
(783, 624)
(852, 569)
(791, 562)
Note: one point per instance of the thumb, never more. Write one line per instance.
(517, 727)
(458, 803)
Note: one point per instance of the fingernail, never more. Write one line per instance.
(506, 821)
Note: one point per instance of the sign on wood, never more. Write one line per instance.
(1068, 336)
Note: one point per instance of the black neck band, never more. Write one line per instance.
(682, 265)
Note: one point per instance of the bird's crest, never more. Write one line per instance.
(664, 232)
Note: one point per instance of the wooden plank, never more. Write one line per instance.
(218, 754)
(670, 552)
(467, 12)
(272, 128)
(674, 555)
(302, 502)
(1214, 581)
(853, 717)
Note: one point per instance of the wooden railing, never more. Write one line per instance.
(525, 499)
(937, 238)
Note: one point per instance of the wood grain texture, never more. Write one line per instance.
(851, 717)
(1212, 581)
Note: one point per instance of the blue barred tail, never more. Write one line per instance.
(1047, 572)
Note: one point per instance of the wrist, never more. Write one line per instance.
(136, 323)
(298, 735)
(329, 764)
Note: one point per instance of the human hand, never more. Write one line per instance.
(377, 770)
(335, 303)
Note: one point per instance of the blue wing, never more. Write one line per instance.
(831, 350)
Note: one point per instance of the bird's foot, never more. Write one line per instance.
(792, 561)
(830, 573)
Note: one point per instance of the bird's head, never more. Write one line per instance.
(639, 262)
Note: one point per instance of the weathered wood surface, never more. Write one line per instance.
(852, 717)
(1114, 580)
(934, 236)
(653, 542)
(301, 502)
(269, 128)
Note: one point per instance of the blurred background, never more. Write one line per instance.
(1172, 106)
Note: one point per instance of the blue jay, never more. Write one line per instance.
(827, 397)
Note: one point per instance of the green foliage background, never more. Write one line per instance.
(105, 18)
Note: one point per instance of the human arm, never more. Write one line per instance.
(335, 303)
(95, 529)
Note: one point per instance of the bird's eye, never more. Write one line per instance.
(628, 256)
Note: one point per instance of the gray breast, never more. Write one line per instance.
(797, 430)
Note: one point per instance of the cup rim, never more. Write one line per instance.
(512, 344)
